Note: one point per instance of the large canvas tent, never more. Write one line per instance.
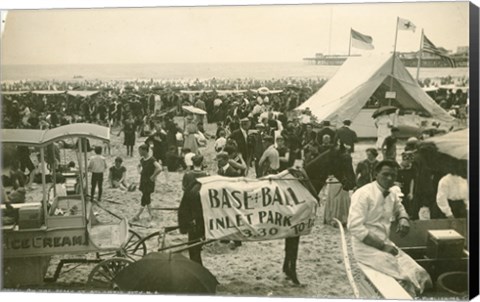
(347, 92)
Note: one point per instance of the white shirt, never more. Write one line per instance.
(451, 187)
(371, 213)
(220, 144)
(188, 159)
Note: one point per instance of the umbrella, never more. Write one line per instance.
(384, 110)
(263, 91)
(194, 110)
(454, 143)
(166, 273)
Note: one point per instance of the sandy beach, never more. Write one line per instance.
(254, 269)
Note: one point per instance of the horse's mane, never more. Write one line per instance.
(331, 162)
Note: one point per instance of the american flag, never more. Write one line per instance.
(429, 47)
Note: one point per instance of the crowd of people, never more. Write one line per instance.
(257, 134)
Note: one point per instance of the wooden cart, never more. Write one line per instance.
(62, 225)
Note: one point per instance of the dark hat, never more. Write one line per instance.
(223, 155)
(326, 123)
(197, 159)
(347, 122)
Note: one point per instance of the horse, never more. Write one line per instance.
(334, 161)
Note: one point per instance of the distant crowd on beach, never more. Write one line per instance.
(41, 104)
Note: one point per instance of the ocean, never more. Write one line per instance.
(191, 71)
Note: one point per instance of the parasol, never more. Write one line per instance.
(263, 91)
(194, 110)
(454, 144)
(166, 273)
(384, 110)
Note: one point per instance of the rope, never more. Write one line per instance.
(346, 260)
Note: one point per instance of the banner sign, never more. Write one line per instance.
(256, 209)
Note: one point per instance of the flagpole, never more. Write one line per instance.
(393, 59)
(350, 44)
(395, 47)
(420, 53)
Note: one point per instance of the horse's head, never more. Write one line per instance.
(334, 162)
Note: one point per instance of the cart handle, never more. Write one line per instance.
(201, 242)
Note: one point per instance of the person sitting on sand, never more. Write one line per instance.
(187, 157)
(117, 175)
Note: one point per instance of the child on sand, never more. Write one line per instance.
(117, 175)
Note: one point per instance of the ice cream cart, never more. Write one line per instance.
(61, 224)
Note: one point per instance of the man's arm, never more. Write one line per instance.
(442, 198)
(400, 213)
(263, 158)
(157, 171)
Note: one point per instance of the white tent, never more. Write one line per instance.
(347, 92)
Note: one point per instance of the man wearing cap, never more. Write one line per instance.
(240, 136)
(189, 178)
(270, 160)
(347, 136)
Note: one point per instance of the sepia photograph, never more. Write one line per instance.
(314, 150)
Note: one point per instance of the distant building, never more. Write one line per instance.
(409, 59)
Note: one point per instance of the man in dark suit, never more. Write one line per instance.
(347, 136)
(240, 136)
(326, 130)
(224, 168)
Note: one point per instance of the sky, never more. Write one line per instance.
(279, 33)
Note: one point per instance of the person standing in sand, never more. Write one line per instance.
(149, 169)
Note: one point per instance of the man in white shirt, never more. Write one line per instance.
(452, 196)
(97, 165)
(372, 209)
(270, 161)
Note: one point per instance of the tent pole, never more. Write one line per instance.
(350, 43)
(420, 52)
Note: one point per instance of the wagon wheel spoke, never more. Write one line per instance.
(135, 248)
(103, 273)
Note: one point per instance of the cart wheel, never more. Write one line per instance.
(134, 248)
(102, 275)
(152, 242)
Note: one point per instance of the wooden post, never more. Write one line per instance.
(44, 182)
